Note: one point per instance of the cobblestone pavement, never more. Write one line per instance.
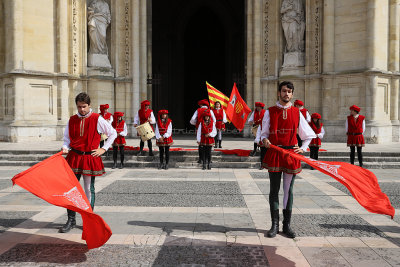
(202, 218)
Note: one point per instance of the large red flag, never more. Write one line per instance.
(53, 181)
(361, 183)
(237, 110)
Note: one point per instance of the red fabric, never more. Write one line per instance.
(260, 104)
(237, 152)
(106, 116)
(199, 114)
(355, 108)
(316, 141)
(84, 137)
(258, 117)
(203, 102)
(237, 110)
(316, 116)
(119, 127)
(283, 130)
(355, 126)
(219, 116)
(206, 128)
(144, 115)
(304, 112)
(362, 183)
(53, 181)
(299, 103)
(162, 129)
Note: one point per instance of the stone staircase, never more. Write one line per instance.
(188, 159)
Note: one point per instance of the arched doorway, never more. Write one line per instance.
(194, 42)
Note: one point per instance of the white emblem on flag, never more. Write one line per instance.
(332, 169)
(75, 197)
(233, 100)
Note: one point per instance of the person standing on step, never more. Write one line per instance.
(195, 120)
(145, 114)
(205, 137)
(263, 149)
(255, 120)
(318, 129)
(164, 137)
(108, 117)
(120, 126)
(300, 105)
(220, 117)
(355, 128)
(279, 127)
(81, 144)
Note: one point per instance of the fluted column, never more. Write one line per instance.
(329, 37)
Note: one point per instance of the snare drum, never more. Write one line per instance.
(145, 131)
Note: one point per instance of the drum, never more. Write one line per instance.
(145, 131)
(254, 130)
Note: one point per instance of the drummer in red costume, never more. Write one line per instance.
(108, 117)
(355, 128)
(300, 105)
(164, 137)
(255, 120)
(120, 126)
(205, 136)
(81, 143)
(145, 114)
(318, 129)
(195, 120)
(220, 117)
(279, 127)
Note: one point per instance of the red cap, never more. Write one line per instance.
(355, 108)
(105, 106)
(203, 102)
(118, 114)
(162, 111)
(299, 102)
(260, 104)
(145, 103)
(316, 116)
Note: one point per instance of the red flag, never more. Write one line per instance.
(361, 183)
(53, 181)
(237, 110)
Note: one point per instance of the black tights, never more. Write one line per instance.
(121, 152)
(263, 151)
(149, 144)
(206, 154)
(314, 152)
(164, 150)
(353, 154)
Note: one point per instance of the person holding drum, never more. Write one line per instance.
(120, 126)
(195, 120)
(145, 114)
(108, 117)
(164, 137)
(220, 116)
(205, 137)
(255, 120)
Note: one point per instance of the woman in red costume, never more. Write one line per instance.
(164, 137)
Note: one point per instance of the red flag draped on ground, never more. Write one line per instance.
(53, 181)
(215, 95)
(361, 183)
(237, 110)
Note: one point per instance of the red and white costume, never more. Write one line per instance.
(303, 110)
(143, 115)
(256, 117)
(355, 128)
(206, 128)
(195, 120)
(319, 131)
(220, 117)
(280, 125)
(164, 129)
(121, 129)
(82, 135)
(106, 115)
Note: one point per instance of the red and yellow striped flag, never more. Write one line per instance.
(215, 95)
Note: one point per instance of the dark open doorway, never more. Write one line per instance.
(193, 42)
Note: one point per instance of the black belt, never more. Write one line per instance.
(219, 120)
(81, 152)
(287, 147)
(354, 133)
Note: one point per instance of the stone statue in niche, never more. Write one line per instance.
(99, 18)
(293, 23)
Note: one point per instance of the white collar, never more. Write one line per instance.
(356, 116)
(86, 116)
(284, 107)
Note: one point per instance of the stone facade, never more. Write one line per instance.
(351, 57)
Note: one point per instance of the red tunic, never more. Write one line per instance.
(316, 141)
(84, 137)
(199, 112)
(304, 112)
(206, 129)
(355, 131)
(258, 117)
(219, 116)
(119, 127)
(106, 116)
(144, 116)
(282, 132)
(162, 129)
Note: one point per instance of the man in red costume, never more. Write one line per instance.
(279, 127)
(120, 126)
(195, 120)
(164, 137)
(255, 120)
(108, 117)
(205, 136)
(81, 143)
(145, 114)
(300, 105)
(355, 128)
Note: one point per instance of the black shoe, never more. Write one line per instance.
(199, 161)
(275, 224)
(151, 154)
(252, 153)
(261, 167)
(160, 166)
(141, 153)
(71, 223)
(121, 166)
(204, 166)
(115, 165)
(166, 166)
(208, 166)
(287, 214)
(220, 141)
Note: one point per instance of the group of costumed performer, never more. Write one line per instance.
(119, 143)
(220, 117)
(164, 137)
(196, 118)
(81, 144)
(145, 114)
(206, 132)
(255, 120)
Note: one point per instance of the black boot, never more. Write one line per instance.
(166, 166)
(220, 141)
(275, 224)
(115, 153)
(287, 215)
(252, 153)
(122, 159)
(141, 153)
(71, 222)
(150, 145)
(200, 155)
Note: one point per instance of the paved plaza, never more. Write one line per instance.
(192, 217)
